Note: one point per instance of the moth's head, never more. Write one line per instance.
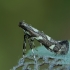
(20, 24)
(23, 25)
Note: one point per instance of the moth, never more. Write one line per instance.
(31, 33)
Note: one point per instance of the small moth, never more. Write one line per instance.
(31, 33)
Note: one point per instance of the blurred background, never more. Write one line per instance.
(50, 16)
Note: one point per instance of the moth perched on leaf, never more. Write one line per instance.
(31, 33)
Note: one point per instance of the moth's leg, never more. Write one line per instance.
(24, 44)
(31, 44)
(32, 41)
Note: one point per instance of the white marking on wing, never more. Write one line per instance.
(25, 24)
(39, 38)
(49, 38)
(34, 29)
(52, 46)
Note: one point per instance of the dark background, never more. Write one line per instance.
(50, 16)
